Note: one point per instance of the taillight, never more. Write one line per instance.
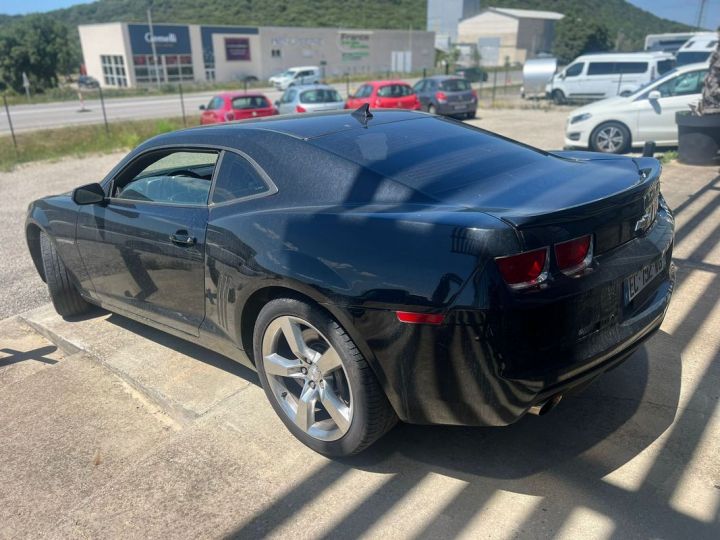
(574, 255)
(474, 94)
(299, 108)
(524, 269)
(441, 97)
(229, 117)
(420, 318)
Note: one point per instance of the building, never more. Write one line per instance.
(509, 35)
(443, 17)
(124, 54)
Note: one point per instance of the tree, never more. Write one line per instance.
(575, 36)
(38, 45)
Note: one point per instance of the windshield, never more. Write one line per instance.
(668, 75)
(455, 85)
(289, 73)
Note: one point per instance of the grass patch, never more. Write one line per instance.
(82, 140)
(667, 157)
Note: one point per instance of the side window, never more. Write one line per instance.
(237, 178)
(169, 176)
(420, 86)
(601, 68)
(631, 67)
(663, 66)
(574, 70)
(683, 85)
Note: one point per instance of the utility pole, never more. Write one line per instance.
(701, 13)
(152, 45)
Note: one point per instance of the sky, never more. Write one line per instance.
(679, 10)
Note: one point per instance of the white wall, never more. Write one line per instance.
(234, 70)
(493, 25)
(100, 39)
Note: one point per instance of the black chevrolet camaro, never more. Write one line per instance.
(373, 267)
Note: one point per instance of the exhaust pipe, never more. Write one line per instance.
(545, 407)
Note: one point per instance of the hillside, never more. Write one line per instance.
(617, 15)
(628, 25)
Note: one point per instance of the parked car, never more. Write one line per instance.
(300, 99)
(450, 96)
(615, 125)
(599, 76)
(472, 74)
(384, 94)
(87, 82)
(230, 106)
(697, 49)
(296, 76)
(373, 265)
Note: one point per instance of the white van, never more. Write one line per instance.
(599, 76)
(697, 49)
(295, 76)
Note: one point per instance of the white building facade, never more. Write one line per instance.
(509, 36)
(124, 54)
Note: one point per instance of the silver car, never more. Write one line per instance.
(309, 98)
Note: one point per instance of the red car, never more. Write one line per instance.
(230, 106)
(385, 95)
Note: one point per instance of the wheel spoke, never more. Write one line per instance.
(282, 367)
(338, 411)
(293, 334)
(305, 415)
(329, 361)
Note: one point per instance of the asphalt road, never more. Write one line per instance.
(51, 115)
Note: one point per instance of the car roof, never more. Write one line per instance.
(629, 57)
(313, 86)
(304, 126)
(233, 95)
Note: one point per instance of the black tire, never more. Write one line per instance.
(558, 97)
(372, 416)
(64, 295)
(610, 138)
(471, 115)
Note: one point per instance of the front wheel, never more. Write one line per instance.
(610, 138)
(317, 380)
(558, 97)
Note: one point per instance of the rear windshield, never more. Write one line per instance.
(249, 102)
(455, 85)
(320, 95)
(395, 90)
(433, 155)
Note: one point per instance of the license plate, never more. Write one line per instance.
(458, 107)
(639, 280)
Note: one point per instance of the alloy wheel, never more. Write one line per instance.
(307, 378)
(609, 139)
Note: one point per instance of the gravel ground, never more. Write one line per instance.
(21, 288)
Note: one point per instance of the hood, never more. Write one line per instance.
(602, 105)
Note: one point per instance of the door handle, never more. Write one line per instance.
(182, 238)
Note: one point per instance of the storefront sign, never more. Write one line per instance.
(354, 45)
(237, 49)
(168, 39)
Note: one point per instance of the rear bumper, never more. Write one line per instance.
(489, 366)
(449, 109)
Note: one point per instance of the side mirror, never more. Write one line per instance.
(201, 107)
(89, 194)
(654, 95)
(562, 76)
